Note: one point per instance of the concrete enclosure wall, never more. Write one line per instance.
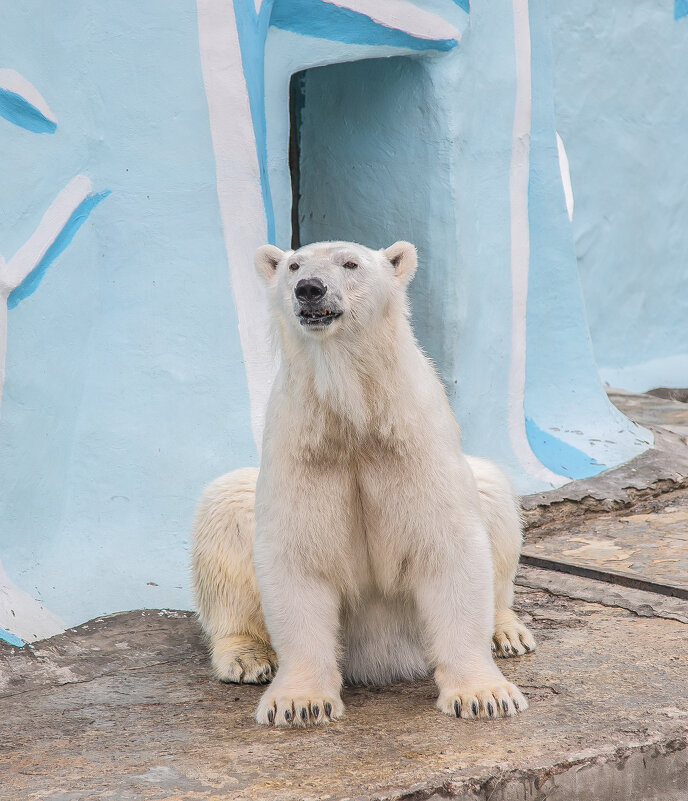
(145, 156)
(622, 111)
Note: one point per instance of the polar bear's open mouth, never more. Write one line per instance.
(318, 317)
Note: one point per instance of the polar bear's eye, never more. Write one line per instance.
(350, 265)
(294, 266)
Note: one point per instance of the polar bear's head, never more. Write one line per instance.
(332, 288)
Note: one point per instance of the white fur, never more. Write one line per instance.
(380, 551)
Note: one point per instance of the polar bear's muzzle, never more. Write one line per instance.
(313, 309)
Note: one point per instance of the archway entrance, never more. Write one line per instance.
(369, 163)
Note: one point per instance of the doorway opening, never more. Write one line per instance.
(369, 161)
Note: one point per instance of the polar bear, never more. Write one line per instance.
(368, 548)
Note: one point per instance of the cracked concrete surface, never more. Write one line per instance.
(125, 708)
(643, 547)
(644, 604)
(667, 408)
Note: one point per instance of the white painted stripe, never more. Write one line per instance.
(239, 193)
(14, 271)
(47, 231)
(12, 81)
(565, 176)
(402, 16)
(22, 615)
(520, 249)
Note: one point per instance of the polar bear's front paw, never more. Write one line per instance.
(511, 637)
(495, 698)
(298, 709)
(243, 660)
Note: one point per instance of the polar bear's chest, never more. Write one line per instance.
(392, 518)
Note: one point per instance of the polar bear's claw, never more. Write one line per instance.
(311, 709)
(496, 699)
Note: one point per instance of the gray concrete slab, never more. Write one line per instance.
(124, 708)
(650, 547)
(642, 603)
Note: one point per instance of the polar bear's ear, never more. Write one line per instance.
(403, 257)
(266, 259)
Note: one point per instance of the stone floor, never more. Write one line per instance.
(124, 708)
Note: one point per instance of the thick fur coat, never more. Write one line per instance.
(368, 548)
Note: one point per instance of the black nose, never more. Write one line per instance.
(310, 289)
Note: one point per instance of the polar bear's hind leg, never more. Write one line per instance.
(224, 582)
(242, 659)
(503, 523)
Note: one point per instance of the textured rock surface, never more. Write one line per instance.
(645, 544)
(662, 469)
(124, 708)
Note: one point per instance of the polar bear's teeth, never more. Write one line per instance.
(316, 317)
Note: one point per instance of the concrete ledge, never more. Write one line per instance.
(124, 708)
(661, 469)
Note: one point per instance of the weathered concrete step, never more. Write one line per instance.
(123, 708)
(653, 476)
(647, 550)
(659, 471)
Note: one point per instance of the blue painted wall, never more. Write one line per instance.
(622, 110)
(568, 417)
(392, 145)
(137, 370)
(125, 390)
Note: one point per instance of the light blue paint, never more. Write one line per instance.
(313, 19)
(11, 639)
(386, 175)
(78, 217)
(622, 111)
(287, 53)
(325, 20)
(671, 371)
(16, 109)
(563, 389)
(125, 390)
(558, 455)
(680, 9)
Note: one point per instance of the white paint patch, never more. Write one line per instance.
(565, 176)
(239, 193)
(49, 228)
(520, 250)
(12, 81)
(14, 271)
(22, 615)
(402, 16)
